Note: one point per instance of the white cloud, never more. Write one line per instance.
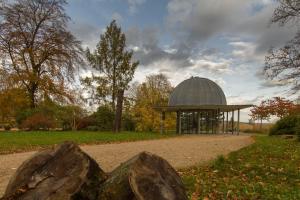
(219, 67)
(246, 51)
(133, 4)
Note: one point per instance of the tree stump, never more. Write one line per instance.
(143, 177)
(64, 172)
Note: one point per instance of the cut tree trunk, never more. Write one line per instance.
(67, 173)
(143, 177)
(64, 172)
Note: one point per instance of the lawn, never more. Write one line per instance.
(268, 169)
(26, 141)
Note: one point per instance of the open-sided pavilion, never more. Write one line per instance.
(201, 107)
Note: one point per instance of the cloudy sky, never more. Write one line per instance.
(223, 40)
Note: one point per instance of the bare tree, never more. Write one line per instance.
(288, 10)
(284, 64)
(36, 48)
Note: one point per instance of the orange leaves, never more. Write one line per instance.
(276, 106)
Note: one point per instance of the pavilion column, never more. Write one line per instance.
(207, 122)
(227, 122)
(218, 120)
(223, 123)
(162, 122)
(198, 122)
(179, 123)
(212, 121)
(238, 122)
(193, 122)
(232, 124)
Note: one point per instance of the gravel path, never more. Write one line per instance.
(180, 152)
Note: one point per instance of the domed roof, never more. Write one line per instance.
(197, 91)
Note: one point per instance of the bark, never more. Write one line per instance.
(64, 172)
(261, 124)
(32, 98)
(144, 177)
(118, 115)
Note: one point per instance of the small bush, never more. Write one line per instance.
(93, 128)
(128, 123)
(84, 123)
(38, 121)
(286, 125)
(7, 127)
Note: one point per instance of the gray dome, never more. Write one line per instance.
(197, 91)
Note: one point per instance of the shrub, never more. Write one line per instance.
(104, 118)
(7, 127)
(93, 128)
(128, 124)
(286, 125)
(38, 121)
(85, 122)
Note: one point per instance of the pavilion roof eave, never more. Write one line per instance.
(222, 108)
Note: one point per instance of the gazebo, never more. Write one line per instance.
(201, 107)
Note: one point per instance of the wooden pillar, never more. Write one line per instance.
(218, 120)
(193, 122)
(238, 122)
(179, 122)
(212, 121)
(232, 124)
(206, 122)
(162, 122)
(215, 122)
(227, 122)
(223, 123)
(198, 122)
(187, 122)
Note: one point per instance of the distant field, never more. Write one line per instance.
(246, 127)
(26, 141)
(268, 169)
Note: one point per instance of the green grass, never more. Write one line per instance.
(268, 169)
(25, 141)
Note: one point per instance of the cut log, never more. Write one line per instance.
(64, 172)
(143, 177)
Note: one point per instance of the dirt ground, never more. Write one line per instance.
(180, 152)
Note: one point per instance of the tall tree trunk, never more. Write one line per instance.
(31, 95)
(118, 116)
(260, 124)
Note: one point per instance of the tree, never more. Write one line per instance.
(36, 49)
(154, 91)
(12, 98)
(261, 112)
(284, 64)
(280, 107)
(114, 62)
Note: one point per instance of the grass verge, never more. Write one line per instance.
(268, 169)
(11, 142)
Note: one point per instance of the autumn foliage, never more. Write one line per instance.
(154, 91)
(38, 121)
(277, 106)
